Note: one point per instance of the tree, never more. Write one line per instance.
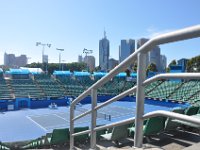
(193, 65)
(152, 67)
(172, 63)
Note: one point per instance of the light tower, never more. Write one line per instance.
(86, 51)
(59, 56)
(43, 47)
(44, 59)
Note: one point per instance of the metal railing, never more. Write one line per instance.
(140, 54)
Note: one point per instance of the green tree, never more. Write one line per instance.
(172, 63)
(193, 65)
(152, 67)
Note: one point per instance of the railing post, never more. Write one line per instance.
(141, 75)
(93, 119)
(71, 127)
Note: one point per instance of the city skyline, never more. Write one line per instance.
(74, 26)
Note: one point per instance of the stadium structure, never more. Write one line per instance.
(147, 112)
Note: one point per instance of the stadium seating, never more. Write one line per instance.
(49, 86)
(25, 88)
(5, 92)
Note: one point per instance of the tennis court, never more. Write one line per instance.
(61, 120)
(27, 124)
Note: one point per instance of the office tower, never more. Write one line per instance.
(112, 63)
(140, 42)
(126, 48)
(11, 60)
(80, 58)
(90, 61)
(163, 63)
(183, 62)
(152, 56)
(104, 52)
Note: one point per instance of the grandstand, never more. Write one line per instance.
(42, 88)
(62, 84)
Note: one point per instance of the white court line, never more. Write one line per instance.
(61, 117)
(37, 123)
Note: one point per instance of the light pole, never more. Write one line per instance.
(44, 60)
(63, 64)
(86, 51)
(60, 57)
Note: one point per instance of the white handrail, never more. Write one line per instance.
(183, 34)
(146, 116)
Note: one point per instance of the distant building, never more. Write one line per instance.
(152, 56)
(163, 63)
(183, 62)
(45, 59)
(90, 61)
(104, 52)
(80, 58)
(140, 42)
(10, 60)
(112, 63)
(126, 48)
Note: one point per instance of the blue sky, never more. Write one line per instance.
(77, 24)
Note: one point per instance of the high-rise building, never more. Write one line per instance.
(163, 63)
(140, 42)
(112, 63)
(126, 48)
(80, 58)
(90, 61)
(183, 62)
(152, 56)
(11, 61)
(104, 52)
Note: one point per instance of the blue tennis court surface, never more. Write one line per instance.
(29, 124)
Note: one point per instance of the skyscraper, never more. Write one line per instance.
(163, 63)
(90, 61)
(11, 61)
(152, 56)
(112, 63)
(126, 48)
(104, 52)
(80, 58)
(140, 42)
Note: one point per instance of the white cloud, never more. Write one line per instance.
(153, 31)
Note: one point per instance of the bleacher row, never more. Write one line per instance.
(46, 86)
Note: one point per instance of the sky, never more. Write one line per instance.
(73, 25)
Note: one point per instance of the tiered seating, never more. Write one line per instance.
(164, 90)
(4, 90)
(195, 98)
(183, 91)
(193, 94)
(50, 87)
(151, 86)
(115, 86)
(71, 85)
(25, 88)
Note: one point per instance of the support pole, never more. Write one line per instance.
(93, 119)
(71, 127)
(141, 75)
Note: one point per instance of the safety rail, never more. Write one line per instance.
(140, 54)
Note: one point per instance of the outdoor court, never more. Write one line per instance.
(29, 124)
